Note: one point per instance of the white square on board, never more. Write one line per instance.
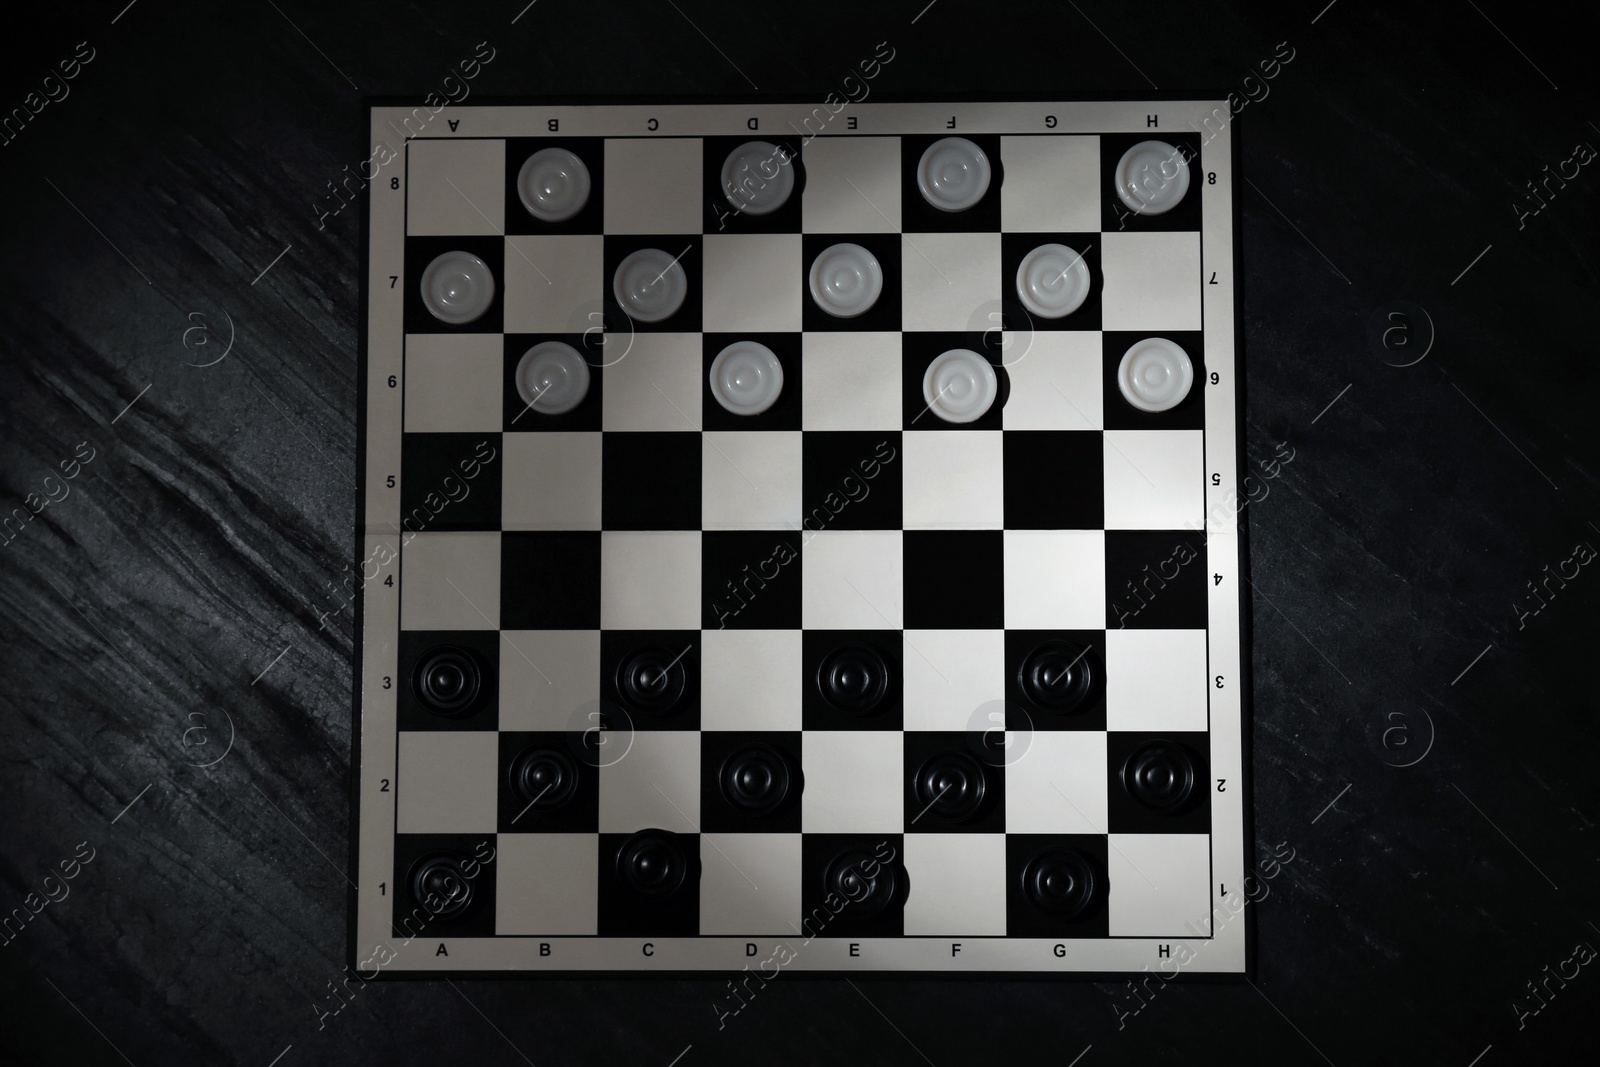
(950, 280)
(954, 480)
(553, 283)
(854, 781)
(950, 674)
(1163, 885)
(546, 884)
(455, 188)
(851, 381)
(1055, 579)
(1055, 380)
(851, 579)
(1152, 281)
(1058, 783)
(650, 580)
(454, 382)
(1155, 680)
(549, 679)
(749, 883)
(750, 480)
(1052, 184)
(751, 679)
(1155, 479)
(753, 282)
(451, 581)
(958, 885)
(655, 386)
(446, 782)
(852, 185)
(653, 185)
(655, 784)
(550, 481)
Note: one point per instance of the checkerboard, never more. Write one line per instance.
(643, 605)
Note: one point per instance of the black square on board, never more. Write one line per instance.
(449, 481)
(871, 666)
(471, 659)
(1156, 580)
(1164, 758)
(666, 664)
(1014, 248)
(954, 783)
(589, 219)
(724, 215)
(850, 480)
(1077, 705)
(919, 216)
(750, 580)
(650, 480)
(875, 910)
(550, 580)
(883, 316)
(784, 414)
(549, 783)
(625, 911)
(521, 417)
(689, 253)
(1054, 479)
(1190, 414)
(919, 350)
(954, 579)
(750, 781)
(1085, 858)
(421, 251)
(444, 885)
(1116, 216)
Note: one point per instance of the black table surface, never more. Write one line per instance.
(1424, 736)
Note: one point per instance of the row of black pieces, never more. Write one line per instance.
(753, 781)
(917, 351)
(852, 885)
(916, 214)
(852, 679)
(886, 315)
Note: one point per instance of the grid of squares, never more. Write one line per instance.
(648, 516)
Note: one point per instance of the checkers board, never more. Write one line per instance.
(801, 540)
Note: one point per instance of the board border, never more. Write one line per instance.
(371, 102)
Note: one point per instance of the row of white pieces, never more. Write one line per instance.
(750, 884)
(851, 381)
(757, 178)
(960, 386)
(853, 185)
(952, 680)
(758, 282)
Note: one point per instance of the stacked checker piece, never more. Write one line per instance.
(796, 530)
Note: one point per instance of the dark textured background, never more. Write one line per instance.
(201, 541)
